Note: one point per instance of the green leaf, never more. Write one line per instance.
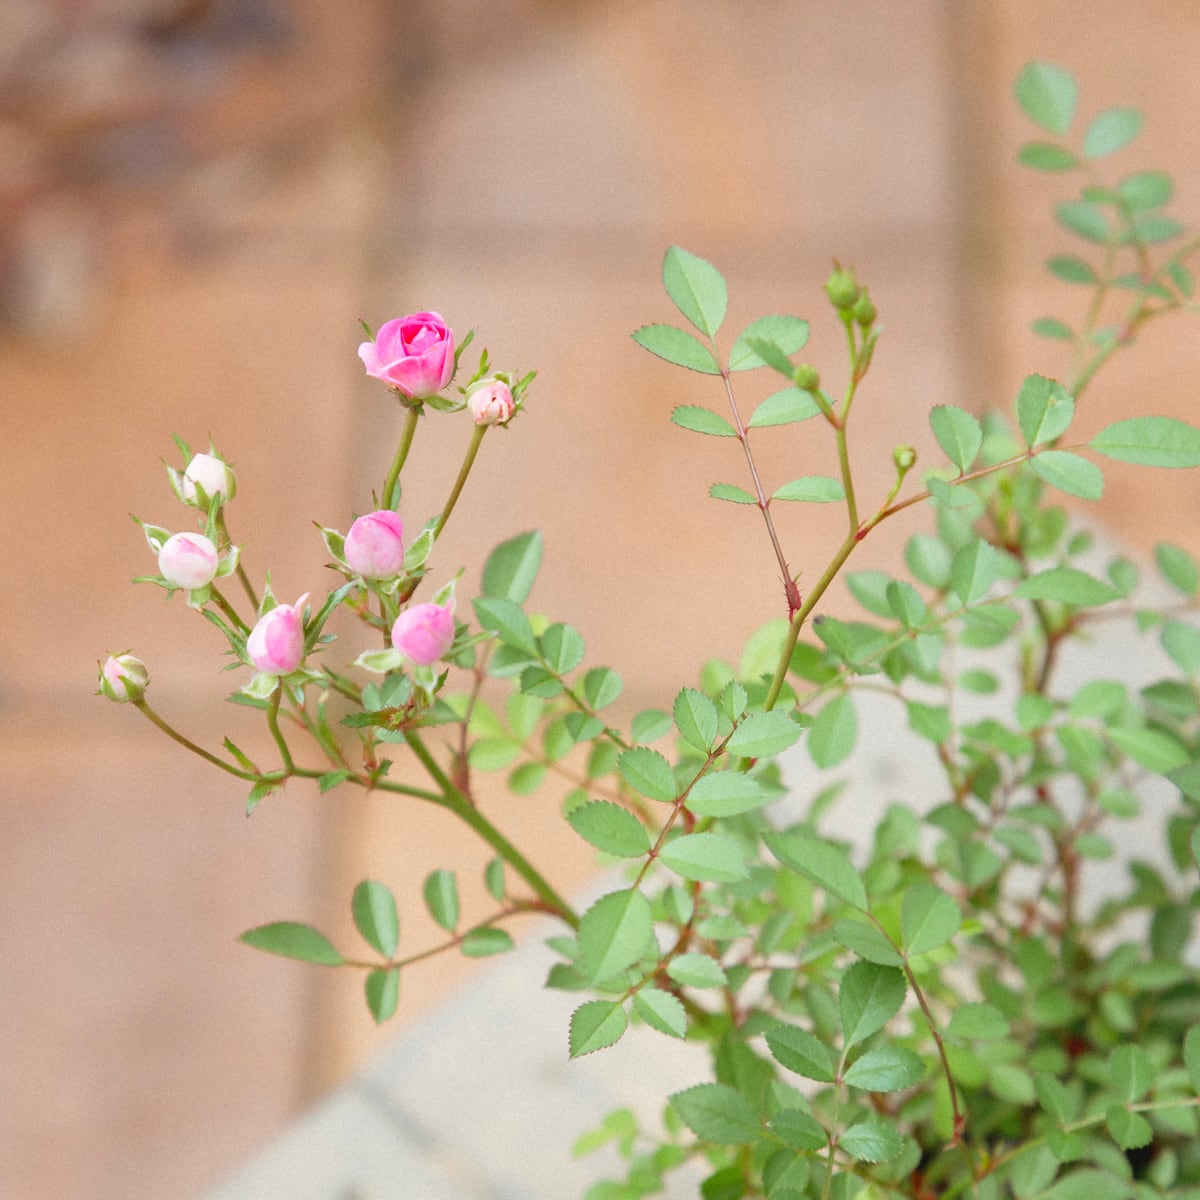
(1150, 442)
(1153, 749)
(784, 408)
(885, 1069)
(1070, 269)
(375, 916)
(870, 995)
(973, 570)
(1047, 95)
(660, 1010)
(821, 863)
(1066, 585)
(696, 719)
(833, 734)
(1129, 1129)
(493, 878)
(729, 491)
(1050, 327)
(610, 828)
(786, 334)
(978, 1021)
(1088, 1183)
(702, 420)
(613, 934)
(507, 620)
(293, 940)
(596, 1024)
(1069, 473)
(1145, 190)
(795, 1128)
(601, 686)
(697, 288)
(485, 940)
(817, 489)
(871, 1141)
(512, 567)
(441, 898)
(928, 559)
(1132, 1071)
(382, 989)
(1178, 568)
(763, 734)
(1191, 1057)
(1044, 410)
(801, 1052)
(867, 942)
(696, 971)
(717, 1113)
(1086, 219)
(677, 346)
(958, 433)
(707, 857)
(648, 773)
(1111, 130)
(928, 918)
(1046, 156)
(725, 794)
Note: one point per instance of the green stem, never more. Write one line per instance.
(187, 744)
(454, 800)
(463, 471)
(391, 485)
(273, 724)
(227, 609)
(239, 570)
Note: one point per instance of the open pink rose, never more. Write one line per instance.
(374, 546)
(490, 402)
(188, 560)
(424, 632)
(276, 644)
(413, 354)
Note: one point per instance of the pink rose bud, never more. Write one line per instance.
(276, 644)
(424, 632)
(212, 474)
(413, 354)
(491, 402)
(374, 546)
(188, 560)
(123, 677)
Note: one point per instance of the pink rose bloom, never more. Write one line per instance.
(491, 402)
(276, 644)
(123, 678)
(188, 560)
(424, 632)
(414, 354)
(374, 546)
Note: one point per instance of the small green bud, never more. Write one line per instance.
(841, 287)
(123, 678)
(864, 310)
(806, 377)
(905, 458)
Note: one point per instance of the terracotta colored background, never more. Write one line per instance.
(200, 199)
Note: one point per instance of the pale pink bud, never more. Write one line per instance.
(491, 402)
(188, 560)
(414, 354)
(424, 632)
(212, 474)
(123, 677)
(374, 546)
(276, 643)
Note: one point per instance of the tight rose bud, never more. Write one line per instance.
(276, 644)
(212, 474)
(123, 677)
(424, 632)
(490, 402)
(413, 354)
(188, 560)
(841, 287)
(374, 546)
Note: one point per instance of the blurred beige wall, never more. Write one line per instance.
(200, 199)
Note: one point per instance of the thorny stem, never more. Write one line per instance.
(789, 584)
